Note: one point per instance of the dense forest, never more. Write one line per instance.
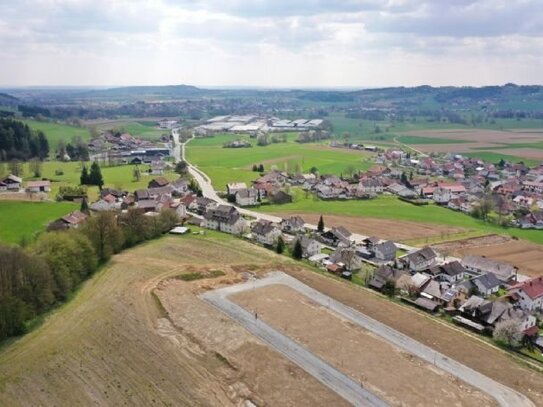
(18, 141)
(46, 271)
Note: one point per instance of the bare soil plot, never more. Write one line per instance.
(530, 153)
(453, 342)
(453, 148)
(114, 344)
(479, 135)
(383, 369)
(527, 256)
(384, 228)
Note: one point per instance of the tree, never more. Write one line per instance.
(84, 177)
(95, 175)
(181, 167)
(135, 227)
(15, 168)
(280, 247)
(84, 206)
(104, 233)
(297, 252)
(508, 332)
(389, 288)
(346, 137)
(136, 173)
(255, 168)
(35, 166)
(320, 225)
(313, 170)
(261, 168)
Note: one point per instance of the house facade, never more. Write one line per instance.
(224, 218)
(529, 294)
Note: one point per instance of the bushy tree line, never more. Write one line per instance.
(44, 273)
(18, 141)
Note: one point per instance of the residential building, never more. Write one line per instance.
(420, 260)
(38, 186)
(224, 218)
(385, 251)
(310, 247)
(247, 197)
(529, 294)
(265, 232)
(482, 265)
(294, 224)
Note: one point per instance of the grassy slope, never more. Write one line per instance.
(226, 165)
(137, 128)
(18, 219)
(56, 132)
(392, 208)
(103, 348)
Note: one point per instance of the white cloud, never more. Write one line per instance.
(270, 42)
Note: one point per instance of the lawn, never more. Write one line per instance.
(18, 219)
(224, 165)
(137, 128)
(56, 132)
(388, 207)
(429, 140)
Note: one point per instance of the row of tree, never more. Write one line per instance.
(92, 177)
(35, 278)
(18, 141)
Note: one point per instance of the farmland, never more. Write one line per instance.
(387, 207)
(145, 128)
(136, 335)
(224, 165)
(24, 219)
(55, 132)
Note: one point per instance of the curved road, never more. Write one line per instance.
(505, 396)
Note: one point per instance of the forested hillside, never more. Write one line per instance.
(18, 141)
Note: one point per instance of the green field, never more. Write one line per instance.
(429, 140)
(57, 131)
(388, 207)
(137, 128)
(119, 177)
(225, 165)
(24, 219)
(495, 157)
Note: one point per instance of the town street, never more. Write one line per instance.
(505, 396)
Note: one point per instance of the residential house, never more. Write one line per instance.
(38, 186)
(234, 187)
(101, 205)
(385, 251)
(533, 220)
(265, 232)
(146, 205)
(346, 258)
(294, 224)
(158, 167)
(371, 186)
(70, 221)
(202, 204)
(224, 218)
(383, 274)
(310, 247)
(280, 197)
(482, 265)
(529, 294)
(420, 260)
(158, 182)
(336, 235)
(486, 284)
(247, 197)
(12, 183)
(451, 272)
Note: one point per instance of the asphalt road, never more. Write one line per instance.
(328, 375)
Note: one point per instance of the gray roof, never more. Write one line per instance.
(486, 281)
(504, 271)
(263, 227)
(426, 253)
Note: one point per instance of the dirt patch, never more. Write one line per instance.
(377, 365)
(479, 135)
(527, 256)
(453, 148)
(449, 340)
(384, 228)
(530, 153)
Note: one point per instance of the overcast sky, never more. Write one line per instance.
(271, 43)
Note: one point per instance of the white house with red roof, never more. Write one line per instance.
(529, 294)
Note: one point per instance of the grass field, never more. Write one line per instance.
(496, 156)
(137, 128)
(391, 208)
(224, 165)
(120, 177)
(24, 219)
(56, 132)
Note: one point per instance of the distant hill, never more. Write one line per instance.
(8, 100)
(173, 91)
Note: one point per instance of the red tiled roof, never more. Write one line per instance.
(532, 287)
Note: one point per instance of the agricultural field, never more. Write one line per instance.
(137, 334)
(20, 220)
(144, 128)
(527, 256)
(225, 165)
(56, 132)
(391, 208)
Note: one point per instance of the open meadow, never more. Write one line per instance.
(20, 220)
(225, 165)
(137, 334)
(143, 128)
(55, 132)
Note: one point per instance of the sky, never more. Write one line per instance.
(270, 43)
